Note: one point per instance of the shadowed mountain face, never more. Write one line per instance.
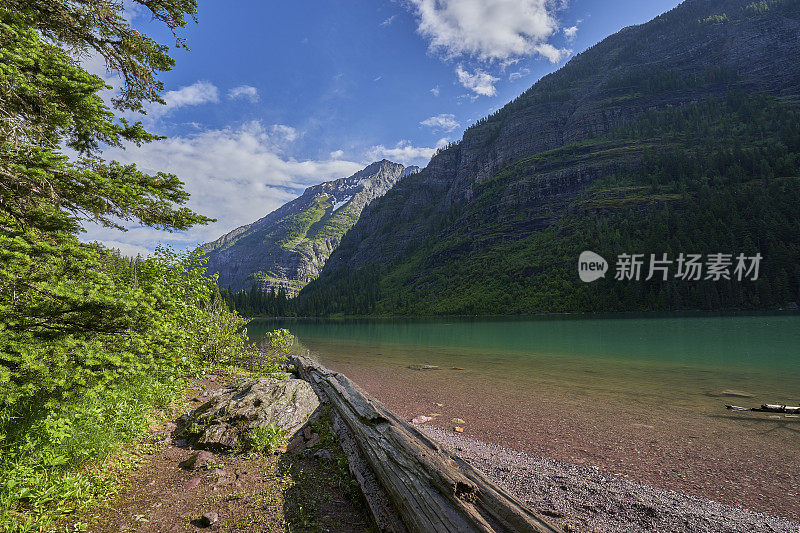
(288, 247)
(675, 135)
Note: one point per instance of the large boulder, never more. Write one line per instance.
(223, 422)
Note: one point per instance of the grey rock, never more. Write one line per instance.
(423, 367)
(313, 441)
(198, 460)
(266, 254)
(410, 170)
(209, 518)
(223, 422)
(192, 483)
(323, 454)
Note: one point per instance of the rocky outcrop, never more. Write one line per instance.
(287, 248)
(226, 419)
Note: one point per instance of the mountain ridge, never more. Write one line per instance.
(287, 247)
(698, 52)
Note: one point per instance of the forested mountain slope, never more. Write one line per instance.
(681, 135)
(288, 247)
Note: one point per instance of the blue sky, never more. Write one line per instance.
(276, 96)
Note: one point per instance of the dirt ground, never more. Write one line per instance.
(309, 489)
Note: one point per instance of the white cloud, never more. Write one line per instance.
(388, 21)
(128, 250)
(404, 152)
(479, 82)
(571, 32)
(486, 29)
(283, 133)
(131, 10)
(235, 175)
(245, 92)
(379, 78)
(521, 73)
(435, 91)
(337, 154)
(443, 122)
(490, 32)
(200, 92)
(555, 55)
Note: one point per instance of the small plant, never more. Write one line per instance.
(266, 439)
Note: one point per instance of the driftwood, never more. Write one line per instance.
(767, 408)
(429, 489)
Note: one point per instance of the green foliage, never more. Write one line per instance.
(715, 19)
(90, 342)
(354, 293)
(650, 80)
(263, 357)
(71, 398)
(295, 227)
(55, 469)
(332, 225)
(60, 304)
(266, 439)
(49, 99)
(98, 26)
(280, 340)
(259, 302)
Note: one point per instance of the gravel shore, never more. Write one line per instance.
(694, 447)
(587, 499)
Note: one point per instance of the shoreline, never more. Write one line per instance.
(555, 316)
(588, 499)
(682, 453)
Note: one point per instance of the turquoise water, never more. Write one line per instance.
(764, 348)
(638, 396)
(682, 367)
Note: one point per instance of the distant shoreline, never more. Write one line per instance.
(553, 316)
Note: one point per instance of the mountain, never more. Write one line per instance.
(288, 247)
(680, 135)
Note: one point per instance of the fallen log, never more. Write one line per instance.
(767, 408)
(429, 488)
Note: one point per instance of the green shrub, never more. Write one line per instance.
(69, 400)
(266, 439)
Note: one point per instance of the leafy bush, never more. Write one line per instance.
(90, 342)
(71, 398)
(266, 439)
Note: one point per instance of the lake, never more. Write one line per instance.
(642, 397)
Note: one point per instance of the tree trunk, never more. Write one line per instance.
(430, 489)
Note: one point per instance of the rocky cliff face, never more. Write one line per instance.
(288, 247)
(523, 169)
(699, 50)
